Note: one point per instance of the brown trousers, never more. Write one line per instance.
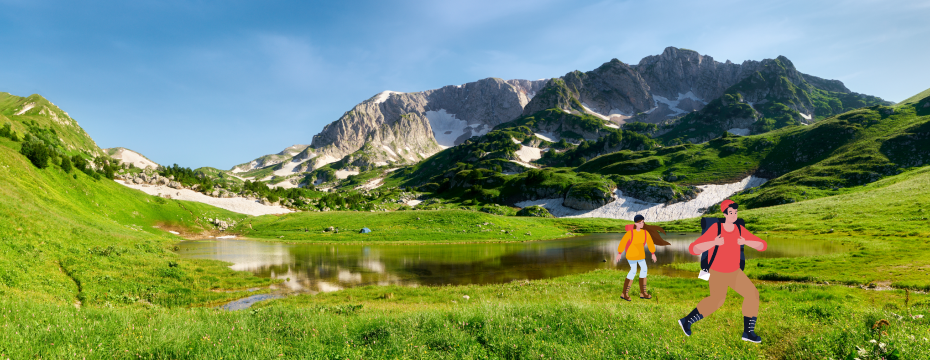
(719, 282)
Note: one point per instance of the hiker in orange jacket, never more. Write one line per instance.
(633, 244)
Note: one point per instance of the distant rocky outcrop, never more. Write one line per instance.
(589, 195)
(408, 127)
(656, 191)
(127, 157)
(268, 160)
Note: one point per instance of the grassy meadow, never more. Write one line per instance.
(429, 226)
(70, 239)
(87, 271)
(573, 317)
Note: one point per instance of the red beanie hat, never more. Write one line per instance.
(726, 203)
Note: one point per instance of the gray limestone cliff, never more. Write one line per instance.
(407, 127)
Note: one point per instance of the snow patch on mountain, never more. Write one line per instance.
(371, 185)
(127, 156)
(290, 166)
(550, 137)
(528, 153)
(614, 114)
(447, 129)
(626, 207)
(286, 184)
(26, 108)
(342, 174)
(235, 204)
(383, 96)
(251, 165)
(324, 160)
(390, 152)
(673, 104)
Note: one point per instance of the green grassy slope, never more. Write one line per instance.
(44, 118)
(852, 149)
(887, 220)
(915, 98)
(67, 238)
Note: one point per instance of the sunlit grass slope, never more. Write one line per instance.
(66, 238)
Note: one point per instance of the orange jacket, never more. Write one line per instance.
(639, 238)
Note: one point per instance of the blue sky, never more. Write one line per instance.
(218, 83)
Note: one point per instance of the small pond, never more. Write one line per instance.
(312, 268)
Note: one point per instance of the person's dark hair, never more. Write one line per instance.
(731, 206)
(638, 218)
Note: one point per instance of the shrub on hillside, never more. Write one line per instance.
(6, 130)
(534, 211)
(36, 151)
(537, 176)
(66, 164)
(78, 162)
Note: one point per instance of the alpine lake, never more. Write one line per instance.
(314, 268)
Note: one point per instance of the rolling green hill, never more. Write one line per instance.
(38, 116)
(70, 238)
(771, 98)
(915, 98)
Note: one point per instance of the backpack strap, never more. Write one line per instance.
(628, 243)
(711, 262)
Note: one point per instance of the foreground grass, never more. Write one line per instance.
(575, 317)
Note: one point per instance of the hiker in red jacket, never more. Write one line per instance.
(725, 271)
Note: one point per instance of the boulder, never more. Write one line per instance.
(656, 191)
(534, 211)
(175, 185)
(589, 195)
(222, 225)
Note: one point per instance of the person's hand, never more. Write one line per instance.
(617, 259)
(718, 241)
(741, 241)
(654, 259)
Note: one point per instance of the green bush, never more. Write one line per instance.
(66, 164)
(79, 162)
(537, 176)
(6, 131)
(534, 211)
(36, 151)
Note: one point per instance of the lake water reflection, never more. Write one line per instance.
(315, 268)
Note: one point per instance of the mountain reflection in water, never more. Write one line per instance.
(312, 268)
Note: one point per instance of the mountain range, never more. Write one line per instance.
(688, 97)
